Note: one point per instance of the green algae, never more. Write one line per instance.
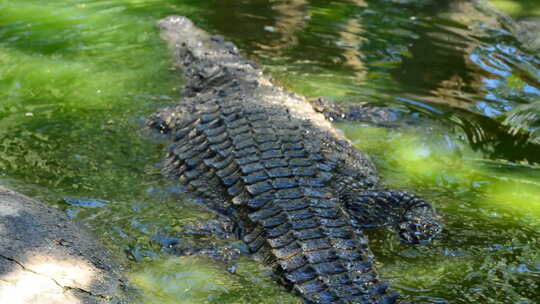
(517, 8)
(185, 281)
(69, 73)
(201, 280)
(430, 159)
(492, 207)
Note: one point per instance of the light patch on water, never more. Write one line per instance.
(181, 280)
(521, 198)
(517, 8)
(417, 152)
(193, 279)
(427, 159)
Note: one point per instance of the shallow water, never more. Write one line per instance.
(78, 77)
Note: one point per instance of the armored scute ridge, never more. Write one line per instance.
(298, 189)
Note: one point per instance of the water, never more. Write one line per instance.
(78, 77)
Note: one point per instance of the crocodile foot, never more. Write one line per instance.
(214, 238)
(419, 225)
(415, 221)
(354, 111)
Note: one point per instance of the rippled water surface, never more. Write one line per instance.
(78, 77)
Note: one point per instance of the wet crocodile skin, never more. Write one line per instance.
(297, 188)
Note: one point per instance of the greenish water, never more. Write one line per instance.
(77, 79)
(517, 8)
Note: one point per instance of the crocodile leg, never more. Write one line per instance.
(410, 216)
(348, 111)
(210, 238)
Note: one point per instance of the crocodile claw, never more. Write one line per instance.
(419, 226)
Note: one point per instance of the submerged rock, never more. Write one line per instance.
(46, 258)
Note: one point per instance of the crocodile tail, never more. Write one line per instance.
(316, 249)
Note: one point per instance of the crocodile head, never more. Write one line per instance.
(187, 39)
(177, 29)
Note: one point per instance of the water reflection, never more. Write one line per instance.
(262, 27)
(290, 18)
(351, 39)
(525, 118)
(465, 63)
(436, 69)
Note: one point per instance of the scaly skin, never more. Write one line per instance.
(298, 190)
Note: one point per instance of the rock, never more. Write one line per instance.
(46, 258)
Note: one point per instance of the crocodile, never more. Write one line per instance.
(299, 192)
